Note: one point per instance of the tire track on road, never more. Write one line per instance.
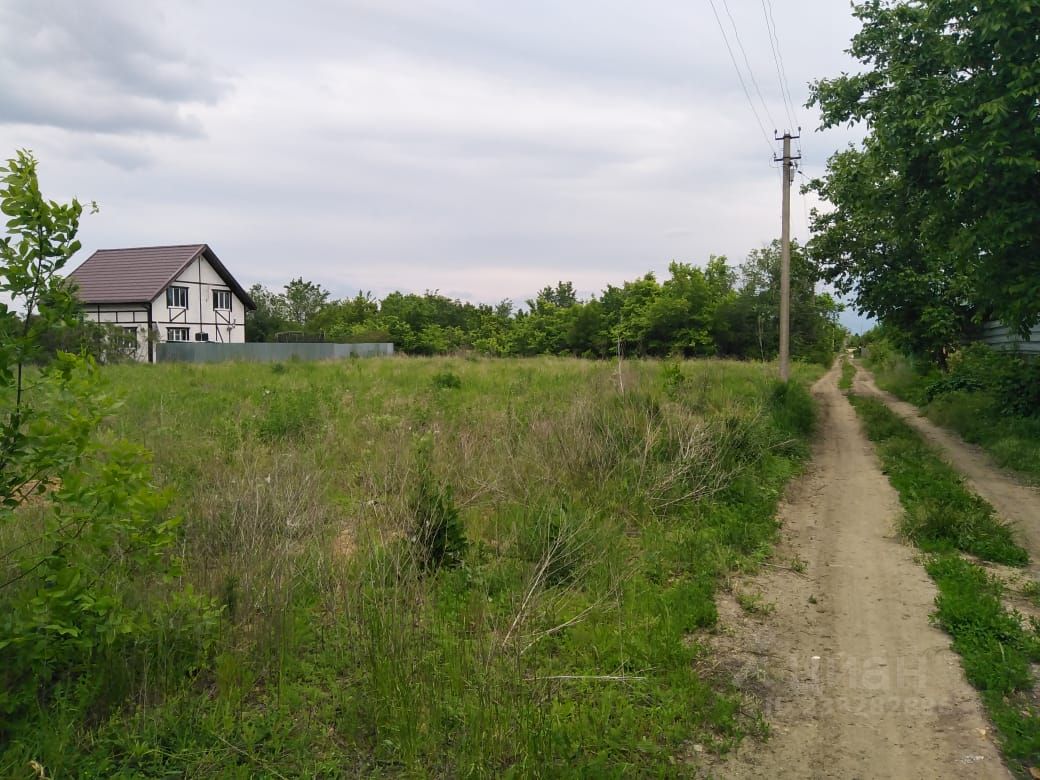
(855, 681)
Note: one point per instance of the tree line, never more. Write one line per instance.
(718, 310)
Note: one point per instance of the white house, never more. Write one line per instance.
(174, 293)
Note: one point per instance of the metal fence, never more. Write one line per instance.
(999, 336)
(264, 352)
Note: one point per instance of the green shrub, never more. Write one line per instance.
(990, 398)
(1017, 386)
(558, 542)
(438, 532)
(1012, 379)
(819, 352)
(881, 355)
(85, 536)
(903, 375)
(447, 380)
(672, 377)
(365, 335)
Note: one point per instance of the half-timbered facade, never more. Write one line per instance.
(163, 293)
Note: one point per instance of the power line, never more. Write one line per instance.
(740, 76)
(783, 67)
(751, 72)
(781, 72)
(785, 85)
(778, 59)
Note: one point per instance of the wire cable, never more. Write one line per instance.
(740, 76)
(781, 73)
(747, 62)
(783, 67)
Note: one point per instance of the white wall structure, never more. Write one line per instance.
(200, 316)
(163, 294)
(125, 316)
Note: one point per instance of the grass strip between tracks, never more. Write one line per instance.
(997, 646)
(848, 373)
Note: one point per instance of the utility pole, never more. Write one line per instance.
(785, 256)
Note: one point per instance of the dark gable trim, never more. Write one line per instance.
(229, 280)
(97, 306)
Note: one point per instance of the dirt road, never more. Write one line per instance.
(1014, 501)
(855, 681)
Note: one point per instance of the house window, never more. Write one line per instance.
(177, 334)
(177, 297)
(129, 341)
(222, 299)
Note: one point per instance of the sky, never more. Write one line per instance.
(480, 148)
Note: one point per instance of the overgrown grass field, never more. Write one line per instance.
(436, 567)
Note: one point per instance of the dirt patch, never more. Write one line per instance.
(344, 545)
(853, 679)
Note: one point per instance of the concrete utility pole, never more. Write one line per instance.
(785, 257)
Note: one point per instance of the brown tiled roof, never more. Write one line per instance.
(140, 274)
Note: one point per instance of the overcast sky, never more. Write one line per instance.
(478, 147)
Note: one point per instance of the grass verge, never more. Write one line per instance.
(1011, 440)
(997, 646)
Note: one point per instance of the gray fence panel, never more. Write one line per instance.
(999, 336)
(258, 352)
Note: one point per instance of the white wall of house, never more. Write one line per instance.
(222, 326)
(132, 317)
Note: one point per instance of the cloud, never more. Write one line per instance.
(100, 67)
(469, 145)
(121, 153)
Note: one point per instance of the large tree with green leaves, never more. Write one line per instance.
(303, 301)
(270, 317)
(935, 217)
